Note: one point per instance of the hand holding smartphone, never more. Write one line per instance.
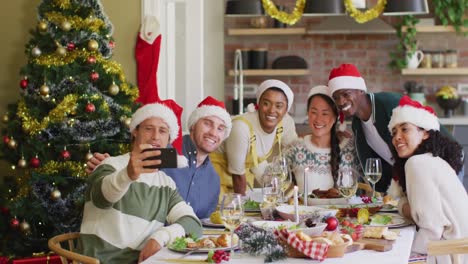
(168, 158)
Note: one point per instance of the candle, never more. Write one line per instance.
(296, 204)
(306, 184)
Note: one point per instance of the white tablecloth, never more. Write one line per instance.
(398, 255)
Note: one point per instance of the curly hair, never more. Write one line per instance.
(437, 144)
(335, 153)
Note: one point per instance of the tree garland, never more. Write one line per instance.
(368, 15)
(284, 17)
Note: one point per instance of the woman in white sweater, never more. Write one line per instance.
(426, 168)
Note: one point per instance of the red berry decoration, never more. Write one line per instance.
(94, 76)
(14, 223)
(65, 154)
(111, 44)
(332, 223)
(6, 139)
(70, 46)
(24, 83)
(90, 108)
(91, 59)
(34, 162)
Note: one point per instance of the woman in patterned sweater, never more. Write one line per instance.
(322, 151)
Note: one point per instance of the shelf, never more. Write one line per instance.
(265, 31)
(435, 71)
(273, 72)
(433, 29)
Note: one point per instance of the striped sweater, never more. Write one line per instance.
(121, 215)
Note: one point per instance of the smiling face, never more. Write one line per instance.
(348, 100)
(406, 138)
(322, 117)
(153, 131)
(272, 107)
(208, 133)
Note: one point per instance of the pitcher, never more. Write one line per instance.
(413, 61)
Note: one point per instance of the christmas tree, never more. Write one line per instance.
(74, 101)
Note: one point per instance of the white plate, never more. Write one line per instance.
(271, 225)
(200, 250)
(327, 201)
(207, 222)
(397, 220)
(287, 212)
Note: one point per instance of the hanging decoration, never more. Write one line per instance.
(290, 19)
(76, 22)
(368, 15)
(55, 167)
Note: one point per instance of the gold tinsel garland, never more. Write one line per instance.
(63, 4)
(363, 17)
(93, 24)
(284, 17)
(54, 167)
(32, 126)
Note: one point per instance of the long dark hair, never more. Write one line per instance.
(437, 144)
(335, 155)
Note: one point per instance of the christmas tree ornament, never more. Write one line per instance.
(127, 121)
(42, 27)
(89, 155)
(34, 162)
(14, 223)
(61, 51)
(114, 89)
(55, 195)
(36, 52)
(24, 83)
(90, 108)
(71, 46)
(25, 227)
(65, 154)
(91, 59)
(44, 90)
(5, 118)
(111, 44)
(5, 210)
(65, 25)
(94, 76)
(6, 139)
(93, 45)
(12, 143)
(22, 163)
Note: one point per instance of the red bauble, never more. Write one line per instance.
(91, 59)
(14, 223)
(111, 44)
(70, 46)
(332, 223)
(34, 162)
(24, 83)
(65, 154)
(6, 139)
(90, 108)
(94, 76)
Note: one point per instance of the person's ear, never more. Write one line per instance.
(425, 134)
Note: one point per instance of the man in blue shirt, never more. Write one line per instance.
(199, 185)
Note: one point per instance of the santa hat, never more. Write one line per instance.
(324, 90)
(211, 107)
(276, 84)
(346, 76)
(409, 111)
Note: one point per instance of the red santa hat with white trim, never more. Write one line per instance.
(410, 111)
(324, 90)
(170, 112)
(346, 76)
(211, 107)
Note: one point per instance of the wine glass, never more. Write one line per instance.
(280, 170)
(347, 182)
(373, 172)
(232, 213)
(270, 191)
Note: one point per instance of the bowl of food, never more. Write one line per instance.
(315, 229)
(287, 212)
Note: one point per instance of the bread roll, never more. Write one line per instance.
(304, 237)
(374, 231)
(224, 240)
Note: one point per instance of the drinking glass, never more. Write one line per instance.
(347, 182)
(373, 172)
(280, 170)
(232, 213)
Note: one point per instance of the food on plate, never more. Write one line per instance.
(215, 218)
(303, 236)
(379, 232)
(330, 193)
(355, 230)
(380, 219)
(387, 199)
(251, 205)
(224, 240)
(363, 216)
(330, 238)
(309, 222)
(220, 241)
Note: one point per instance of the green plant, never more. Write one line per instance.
(406, 32)
(451, 12)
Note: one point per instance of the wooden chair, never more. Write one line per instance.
(68, 254)
(453, 247)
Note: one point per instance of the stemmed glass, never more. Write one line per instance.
(232, 213)
(373, 172)
(347, 183)
(280, 170)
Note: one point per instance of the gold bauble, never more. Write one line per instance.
(22, 163)
(12, 144)
(114, 89)
(61, 51)
(127, 121)
(44, 90)
(25, 227)
(42, 26)
(5, 118)
(89, 156)
(55, 195)
(65, 25)
(93, 45)
(36, 52)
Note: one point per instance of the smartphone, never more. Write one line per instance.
(168, 158)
